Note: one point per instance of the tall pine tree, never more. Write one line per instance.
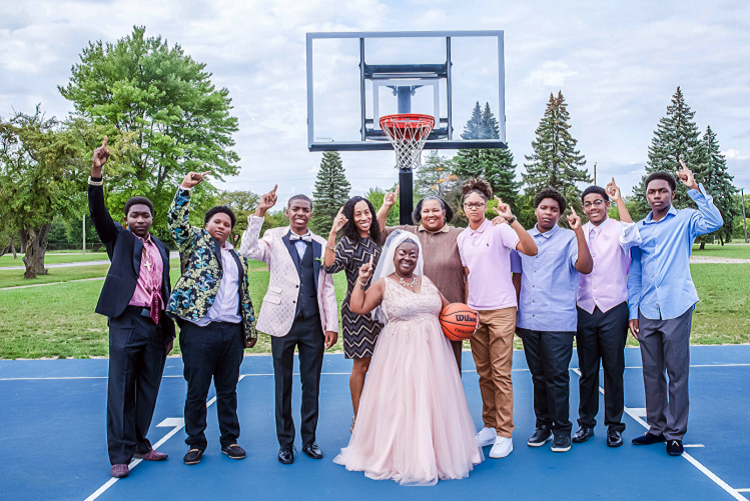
(676, 137)
(494, 165)
(556, 163)
(711, 171)
(331, 192)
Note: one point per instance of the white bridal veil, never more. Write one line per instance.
(386, 267)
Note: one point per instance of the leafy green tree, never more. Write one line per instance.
(41, 175)
(331, 192)
(160, 102)
(556, 163)
(738, 231)
(474, 127)
(711, 171)
(676, 137)
(434, 176)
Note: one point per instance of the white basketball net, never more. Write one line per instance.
(408, 139)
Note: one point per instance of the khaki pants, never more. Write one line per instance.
(492, 347)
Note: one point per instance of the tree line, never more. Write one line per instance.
(164, 117)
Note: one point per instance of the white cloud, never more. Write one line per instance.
(731, 154)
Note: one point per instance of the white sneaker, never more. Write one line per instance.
(486, 436)
(503, 446)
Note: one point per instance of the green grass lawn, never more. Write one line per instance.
(735, 251)
(7, 260)
(59, 320)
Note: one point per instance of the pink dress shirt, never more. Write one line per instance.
(227, 303)
(486, 253)
(610, 243)
(149, 276)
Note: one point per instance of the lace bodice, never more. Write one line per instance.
(400, 304)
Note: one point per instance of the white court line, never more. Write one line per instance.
(637, 413)
(297, 373)
(178, 424)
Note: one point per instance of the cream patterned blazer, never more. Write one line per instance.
(279, 304)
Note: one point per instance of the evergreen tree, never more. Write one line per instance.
(677, 136)
(711, 172)
(556, 163)
(495, 165)
(331, 192)
(473, 127)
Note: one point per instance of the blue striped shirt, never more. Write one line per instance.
(659, 282)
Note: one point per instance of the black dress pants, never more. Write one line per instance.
(137, 352)
(548, 356)
(307, 335)
(602, 336)
(212, 351)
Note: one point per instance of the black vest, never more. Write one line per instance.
(307, 299)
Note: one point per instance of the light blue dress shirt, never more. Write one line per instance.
(549, 282)
(659, 282)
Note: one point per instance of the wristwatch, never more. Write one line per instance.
(511, 220)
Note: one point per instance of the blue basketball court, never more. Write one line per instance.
(54, 441)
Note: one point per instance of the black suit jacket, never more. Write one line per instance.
(124, 250)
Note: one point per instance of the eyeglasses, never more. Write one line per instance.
(595, 203)
(474, 205)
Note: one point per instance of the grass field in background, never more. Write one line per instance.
(7, 260)
(59, 320)
(734, 251)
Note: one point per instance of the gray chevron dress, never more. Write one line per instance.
(360, 331)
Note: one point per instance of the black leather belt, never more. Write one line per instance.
(139, 310)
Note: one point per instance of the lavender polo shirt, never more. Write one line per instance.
(486, 253)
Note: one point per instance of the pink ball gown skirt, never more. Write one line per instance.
(414, 424)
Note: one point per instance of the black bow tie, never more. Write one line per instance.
(293, 237)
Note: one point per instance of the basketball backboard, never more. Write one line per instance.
(353, 79)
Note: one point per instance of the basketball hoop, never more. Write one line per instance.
(407, 133)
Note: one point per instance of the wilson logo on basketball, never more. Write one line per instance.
(458, 321)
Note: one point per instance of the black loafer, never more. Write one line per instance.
(286, 454)
(648, 439)
(312, 451)
(614, 438)
(583, 434)
(193, 456)
(234, 451)
(675, 448)
(541, 436)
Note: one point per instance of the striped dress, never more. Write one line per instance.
(360, 331)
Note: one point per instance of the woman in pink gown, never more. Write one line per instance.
(414, 424)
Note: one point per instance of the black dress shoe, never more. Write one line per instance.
(193, 456)
(614, 438)
(675, 448)
(541, 436)
(648, 439)
(583, 434)
(234, 451)
(286, 454)
(561, 443)
(312, 451)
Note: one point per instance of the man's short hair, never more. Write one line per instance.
(139, 201)
(595, 189)
(554, 195)
(220, 208)
(299, 197)
(665, 176)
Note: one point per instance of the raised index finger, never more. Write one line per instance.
(683, 164)
(104, 143)
(273, 191)
(205, 173)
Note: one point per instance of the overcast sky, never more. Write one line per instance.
(617, 63)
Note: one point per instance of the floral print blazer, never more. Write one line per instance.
(200, 256)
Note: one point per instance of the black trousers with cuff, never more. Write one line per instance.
(214, 351)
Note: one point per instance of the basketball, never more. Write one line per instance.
(458, 321)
